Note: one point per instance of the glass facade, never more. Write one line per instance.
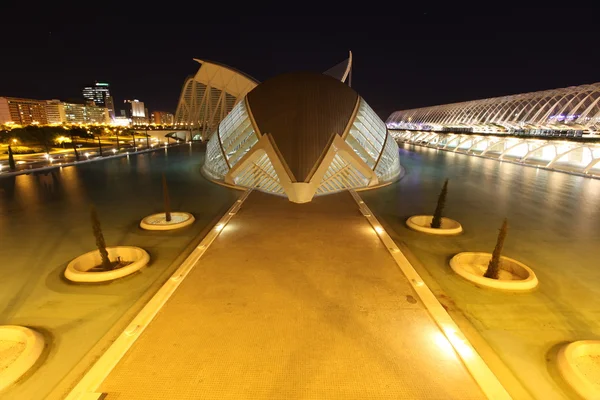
(388, 167)
(215, 165)
(367, 137)
(237, 134)
(367, 134)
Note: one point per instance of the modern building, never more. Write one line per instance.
(5, 117)
(23, 111)
(110, 105)
(85, 114)
(207, 97)
(162, 118)
(567, 110)
(98, 93)
(137, 112)
(300, 135)
(55, 110)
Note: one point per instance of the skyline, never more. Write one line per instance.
(429, 58)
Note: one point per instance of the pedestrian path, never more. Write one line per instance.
(293, 301)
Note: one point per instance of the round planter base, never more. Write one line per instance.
(78, 270)
(20, 348)
(422, 223)
(513, 275)
(579, 365)
(158, 222)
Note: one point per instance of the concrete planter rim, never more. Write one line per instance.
(422, 223)
(151, 223)
(565, 361)
(460, 264)
(77, 269)
(34, 346)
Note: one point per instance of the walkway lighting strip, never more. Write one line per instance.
(89, 384)
(485, 378)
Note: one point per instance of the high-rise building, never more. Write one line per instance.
(55, 110)
(85, 114)
(137, 112)
(23, 111)
(4, 111)
(98, 93)
(162, 118)
(110, 105)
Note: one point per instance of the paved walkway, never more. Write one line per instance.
(293, 302)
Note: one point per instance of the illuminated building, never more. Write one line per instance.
(548, 112)
(85, 114)
(137, 112)
(55, 110)
(110, 105)
(207, 97)
(23, 111)
(99, 94)
(162, 118)
(300, 135)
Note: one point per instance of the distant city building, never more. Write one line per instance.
(162, 118)
(4, 111)
(23, 111)
(98, 94)
(110, 105)
(137, 112)
(121, 121)
(55, 110)
(85, 114)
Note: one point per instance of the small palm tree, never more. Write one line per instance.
(494, 266)
(166, 198)
(11, 159)
(436, 222)
(100, 243)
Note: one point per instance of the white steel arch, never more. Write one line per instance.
(571, 108)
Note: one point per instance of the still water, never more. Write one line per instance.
(44, 223)
(554, 227)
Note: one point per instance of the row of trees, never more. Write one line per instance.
(493, 268)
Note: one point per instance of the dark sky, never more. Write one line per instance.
(402, 59)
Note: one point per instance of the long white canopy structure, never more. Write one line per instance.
(571, 108)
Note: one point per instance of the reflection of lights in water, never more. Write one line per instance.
(27, 190)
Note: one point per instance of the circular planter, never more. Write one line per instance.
(20, 348)
(78, 269)
(422, 223)
(579, 365)
(513, 275)
(158, 222)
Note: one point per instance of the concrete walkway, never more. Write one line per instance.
(293, 302)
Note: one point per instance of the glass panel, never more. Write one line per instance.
(215, 165)
(367, 134)
(237, 134)
(388, 166)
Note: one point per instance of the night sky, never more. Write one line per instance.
(403, 59)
